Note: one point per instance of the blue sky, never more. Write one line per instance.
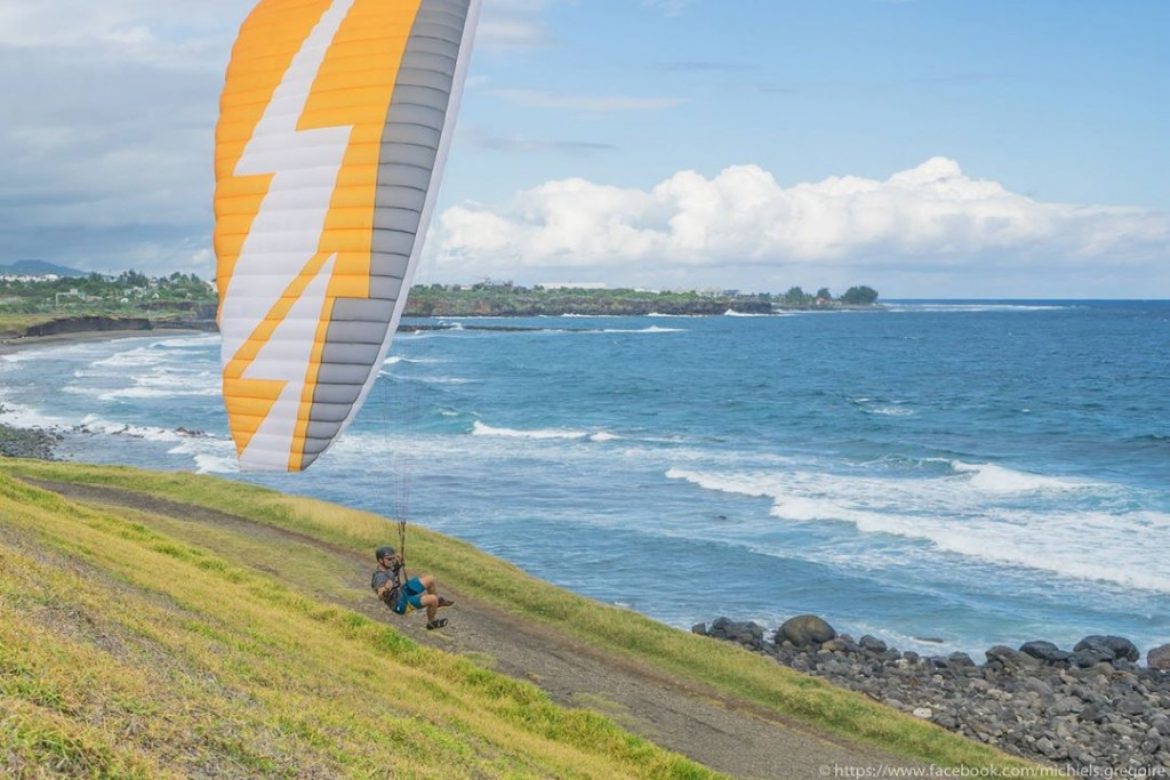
(926, 147)
(1065, 101)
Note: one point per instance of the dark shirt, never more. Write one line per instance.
(381, 578)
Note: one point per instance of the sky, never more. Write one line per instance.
(927, 148)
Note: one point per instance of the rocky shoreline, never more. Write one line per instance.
(1084, 709)
(27, 442)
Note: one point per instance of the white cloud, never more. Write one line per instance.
(165, 34)
(113, 106)
(599, 103)
(932, 218)
(512, 24)
(511, 33)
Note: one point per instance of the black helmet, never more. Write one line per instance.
(384, 552)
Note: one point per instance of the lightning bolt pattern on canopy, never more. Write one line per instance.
(334, 125)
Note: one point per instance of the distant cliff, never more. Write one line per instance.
(99, 324)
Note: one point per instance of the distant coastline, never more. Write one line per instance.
(508, 300)
(41, 301)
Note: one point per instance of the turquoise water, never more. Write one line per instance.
(975, 472)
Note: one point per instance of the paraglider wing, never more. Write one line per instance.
(334, 125)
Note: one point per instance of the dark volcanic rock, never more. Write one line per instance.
(959, 660)
(88, 325)
(1046, 652)
(805, 631)
(1112, 647)
(27, 443)
(1008, 658)
(1159, 658)
(1087, 658)
(749, 634)
(1093, 708)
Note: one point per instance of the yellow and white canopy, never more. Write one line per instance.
(334, 125)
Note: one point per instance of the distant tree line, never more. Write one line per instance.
(509, 299)
(26, 302)
(796, 298)
(128, 284)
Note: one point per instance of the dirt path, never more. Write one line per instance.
(733, 736)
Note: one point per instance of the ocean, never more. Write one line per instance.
(943, 475)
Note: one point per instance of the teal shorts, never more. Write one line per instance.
(410, 596)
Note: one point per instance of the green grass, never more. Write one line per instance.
(129, 651)
(727, 671)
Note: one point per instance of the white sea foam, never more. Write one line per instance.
(891, 411)
(112, 428)
(734, 313)
(394, 360)
(651, 329)
(882, 407)
(189, 342)
(440, 380)
(75, 350)
(216, 464)
(969, 307)
(22, 416)
(158, 381)
(973, 511)
(135, 358)
(480, 429)
(151, 392)
(993, 478)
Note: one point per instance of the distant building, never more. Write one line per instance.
(28, 278)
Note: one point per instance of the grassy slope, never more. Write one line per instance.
(732, 670)
(126, 651)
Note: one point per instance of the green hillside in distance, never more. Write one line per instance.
(38, 268)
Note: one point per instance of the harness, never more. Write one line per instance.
(396, 594)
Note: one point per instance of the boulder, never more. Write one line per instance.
(699, 628)
(1008, 658)
(872, 644)
(959, 660)
(1046, 652)
(805, 631)
(1159, 658)
(1088, 657)
(750, 634)
(1113, 647)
